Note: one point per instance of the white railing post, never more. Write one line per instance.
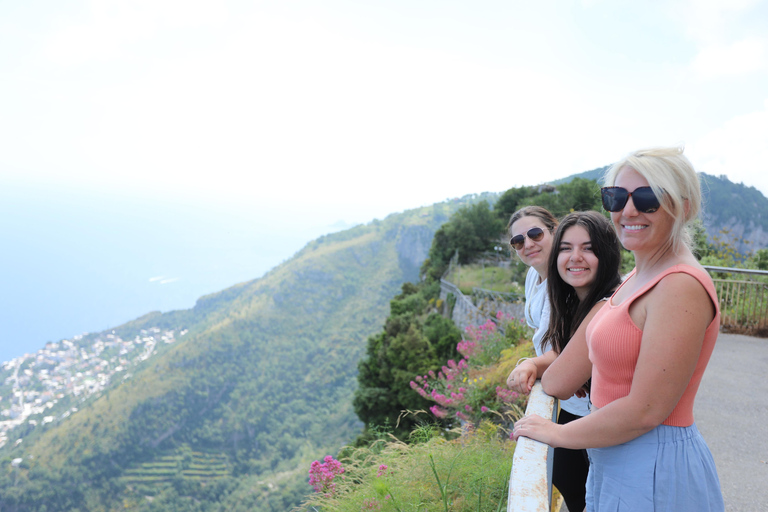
(530, 482)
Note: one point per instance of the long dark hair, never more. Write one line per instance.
(567, 312)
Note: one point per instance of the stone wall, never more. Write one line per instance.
(465, 312)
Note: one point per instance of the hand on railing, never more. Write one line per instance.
(530, 482)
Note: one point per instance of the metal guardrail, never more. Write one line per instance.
(743, 303)
(530, 481)
(484, 293)
(736, 270)
(743, 306)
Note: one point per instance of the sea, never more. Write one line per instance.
(72, 263)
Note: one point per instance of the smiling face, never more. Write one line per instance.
(534, 254)
(576, 262)
(640, 232)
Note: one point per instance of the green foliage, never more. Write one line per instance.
(723, 250)
(473, 389)
(759, 259)
(511, 200)
(468, 474)
(471, 231)
(412, 342)
(509, 278)
(699, 235)
(442, 334)
(627, 262)
(577, 195)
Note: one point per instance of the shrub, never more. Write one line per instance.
(470, 390)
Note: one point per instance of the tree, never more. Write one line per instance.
(511, 200)
(406, 347)
(577, 195)
(471, 231)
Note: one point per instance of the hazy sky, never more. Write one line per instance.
(299, 114)
(361, 108)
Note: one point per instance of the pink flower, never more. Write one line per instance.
(321, 475)
(438, 411)
(382, 470)
(506, 395)
(484, 409)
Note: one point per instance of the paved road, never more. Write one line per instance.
(731, 412)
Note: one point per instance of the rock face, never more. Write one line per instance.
(412, 249)
(746, 237)
(734, 213)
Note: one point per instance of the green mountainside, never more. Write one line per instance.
(230, 415)
(224, 406)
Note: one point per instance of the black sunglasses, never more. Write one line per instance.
(615, 199)
(534, 234)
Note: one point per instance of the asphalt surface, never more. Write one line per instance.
(731, 412)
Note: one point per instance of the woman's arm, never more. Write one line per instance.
(568, 373)
(674, 316)
(524, 376)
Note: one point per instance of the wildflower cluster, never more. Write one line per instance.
(460, 389)
(321, 475)
(445, 388)
(483, 344)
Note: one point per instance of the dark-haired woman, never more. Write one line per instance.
(583, 270)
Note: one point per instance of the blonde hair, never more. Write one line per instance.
(674, 181)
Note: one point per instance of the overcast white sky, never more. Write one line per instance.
(355, 109)
(229, 133)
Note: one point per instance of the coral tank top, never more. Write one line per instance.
(614, 347)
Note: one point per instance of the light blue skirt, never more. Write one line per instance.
(667, 469)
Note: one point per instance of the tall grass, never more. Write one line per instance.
(496, 278)
(467, 473)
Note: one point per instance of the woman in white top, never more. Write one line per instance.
(531, 229)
